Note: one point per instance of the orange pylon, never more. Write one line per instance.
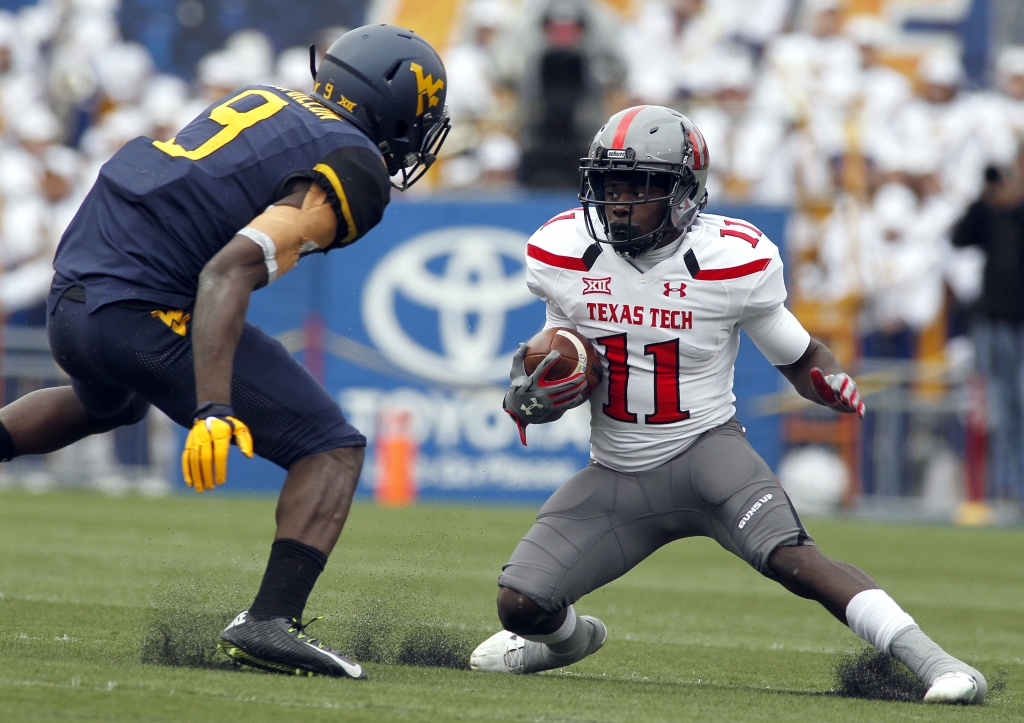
(396, 459)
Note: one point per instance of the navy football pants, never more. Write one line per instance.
(121, 360)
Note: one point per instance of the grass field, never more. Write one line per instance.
(109, 608)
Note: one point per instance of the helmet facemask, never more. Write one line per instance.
(411, 167)
(677, 181)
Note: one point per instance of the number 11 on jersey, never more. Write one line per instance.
(666, 381)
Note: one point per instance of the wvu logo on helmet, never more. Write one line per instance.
(426, 87)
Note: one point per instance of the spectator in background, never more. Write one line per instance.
(470, 63)
(811, 78)
(814, 70)
(949, 133)
(480, 150)
(753, 22)
(881, 91)
(995, 223)
(292, 70)
(561, 56)
(33, 223)
(673, 50)
(167, 101)
(901, 258)
(753, 158)
(1010, 87)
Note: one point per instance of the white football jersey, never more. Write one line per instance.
(668, 338)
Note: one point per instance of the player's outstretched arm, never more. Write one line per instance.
(817, 376)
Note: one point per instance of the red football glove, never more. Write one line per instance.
(838, 391)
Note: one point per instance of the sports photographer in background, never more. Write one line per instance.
(995, 223)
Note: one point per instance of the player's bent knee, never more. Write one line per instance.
(341, 464)
(788, 562)
(349, 459)
(517, 612)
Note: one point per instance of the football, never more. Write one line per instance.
(578, 355)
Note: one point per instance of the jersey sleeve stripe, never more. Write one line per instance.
(620, 132)
(733, 272)
(339, 191)
(563, 262)
(564, 217)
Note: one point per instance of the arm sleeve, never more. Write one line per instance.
(358, 188)
(768, 291)
(779, 335)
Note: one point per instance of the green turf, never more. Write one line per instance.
(92, 586)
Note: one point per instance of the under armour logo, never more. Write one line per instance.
(597, 286)
(669, 290)
(528, 410)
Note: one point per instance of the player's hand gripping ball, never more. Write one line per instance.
(553, 372)
(205, 459)
(838, 391)
(576, 355)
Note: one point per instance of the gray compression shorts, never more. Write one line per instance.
(602, 523)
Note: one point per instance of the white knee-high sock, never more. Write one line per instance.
(876, 618)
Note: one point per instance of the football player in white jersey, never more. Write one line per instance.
(662, 290)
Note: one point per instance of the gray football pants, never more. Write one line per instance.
(602, 523)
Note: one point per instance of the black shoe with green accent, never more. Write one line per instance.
(282, 646)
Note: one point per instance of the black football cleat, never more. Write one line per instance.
(282, 646)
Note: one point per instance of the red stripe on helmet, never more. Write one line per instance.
(620, 132)
(700, 150)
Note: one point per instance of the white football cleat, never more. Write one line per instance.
(952, 688)
(506, 652)
(500, 653)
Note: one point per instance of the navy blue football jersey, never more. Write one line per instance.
(160, 210)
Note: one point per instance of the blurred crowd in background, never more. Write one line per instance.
(802, 105)
(878, 143)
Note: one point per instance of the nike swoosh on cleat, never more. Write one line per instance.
(356, 671)
(352, 669)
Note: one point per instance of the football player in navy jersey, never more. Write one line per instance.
(153, 278)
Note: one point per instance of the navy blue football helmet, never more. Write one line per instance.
(391, 84)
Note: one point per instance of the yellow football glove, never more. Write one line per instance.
(205, 459)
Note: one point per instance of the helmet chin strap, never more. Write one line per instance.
(625, 242)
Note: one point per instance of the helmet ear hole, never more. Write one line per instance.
(401, 128)
(393, 72)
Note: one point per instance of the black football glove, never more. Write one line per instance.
(531, 399)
